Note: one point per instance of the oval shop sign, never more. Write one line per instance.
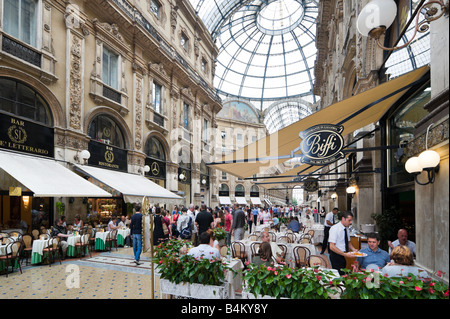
(322, 144)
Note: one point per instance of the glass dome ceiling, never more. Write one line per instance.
(266, 48)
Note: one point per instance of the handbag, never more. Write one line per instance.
(164, 227)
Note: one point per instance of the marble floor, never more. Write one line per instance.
(107, 275)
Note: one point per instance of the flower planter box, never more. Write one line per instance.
(170, 288)
(200, 291)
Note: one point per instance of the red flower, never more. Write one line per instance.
(417, 288)
(288, 276)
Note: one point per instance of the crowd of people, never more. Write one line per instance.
(196, 223)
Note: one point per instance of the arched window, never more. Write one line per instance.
(19, 99)
(104, 129)
(239, 190)
(154, 149)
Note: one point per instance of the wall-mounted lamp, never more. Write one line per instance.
(428, 160)
(182, 177)
(378, 15)
(351, 190)
(204, 181)
(143, 170)
(26, 201)
(333, 197)
(84, 155)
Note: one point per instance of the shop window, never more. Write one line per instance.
(155, 149)
(104, 129)
(401, 128)
(21, 100)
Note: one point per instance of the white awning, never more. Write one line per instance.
(46, 177)
(241, 201)
(133, 187)
(224, 200)
(268, 202)
(255, 201)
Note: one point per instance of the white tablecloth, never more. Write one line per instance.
(3, 250)
(123, 232)
(72, 240)
(39, 245)
(101, 235)
(234, 282)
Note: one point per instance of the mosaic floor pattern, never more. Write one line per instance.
(104, 276)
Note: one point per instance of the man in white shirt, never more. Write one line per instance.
(340, 244)
(402, 236)
(330, 220)
(204, 250)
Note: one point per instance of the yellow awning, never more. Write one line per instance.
(356, 112)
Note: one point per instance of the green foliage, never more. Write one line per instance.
(60, 206)
(371, 285)
(219, 233)
(285, 282)
(188, 269)
(388, 224)
(173, 247)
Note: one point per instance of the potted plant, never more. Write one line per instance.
(285, 282)
(373, 285)
(220, 235)
(190, 277)
(60, 206)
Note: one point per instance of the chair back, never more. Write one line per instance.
(27, 240)
(254, 247)
(273, 237)
(223, 251)
(43, 230)
(290, 234)
(15, 248)
(6, 240)
(284, 239)
(311, 232)
(35, 233)
(301, 255)
(238, 249)
(284, 249)
(253, 237)
(44, 236)
(317, 260)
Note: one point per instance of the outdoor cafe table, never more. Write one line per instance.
(233, 281)
(121, 235)
(71, 244)
(37, 250)
(289, 258)
(100, 240)
(3, 252)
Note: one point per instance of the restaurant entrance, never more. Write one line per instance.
(404, 202)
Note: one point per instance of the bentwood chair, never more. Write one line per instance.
(284, 239)
(284, 249)
(317, 260)
(238, 250)
(253, 237)
(301, 255)
(12, 257)
(254, 247)
(111, 239)
(27, 240)
(83, 245)
(35, 233)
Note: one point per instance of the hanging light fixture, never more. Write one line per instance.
(428, 160)
(378, 15)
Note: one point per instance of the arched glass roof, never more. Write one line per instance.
(266, 47)
(286, 112)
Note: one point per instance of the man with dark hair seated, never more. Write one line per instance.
(204, 250)
(376, 258)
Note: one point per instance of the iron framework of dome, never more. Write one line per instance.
(266, 49)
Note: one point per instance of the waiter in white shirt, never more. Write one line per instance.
(339, 242)
(330, 220)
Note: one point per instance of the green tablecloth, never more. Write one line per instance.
(120, 240)
(3, 265)
(100, 244)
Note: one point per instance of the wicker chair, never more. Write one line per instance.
(53, 250)
(223, 251)
(284, 249)
(253, 237)
(111, 238)
(35, 233)
(83, 245)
